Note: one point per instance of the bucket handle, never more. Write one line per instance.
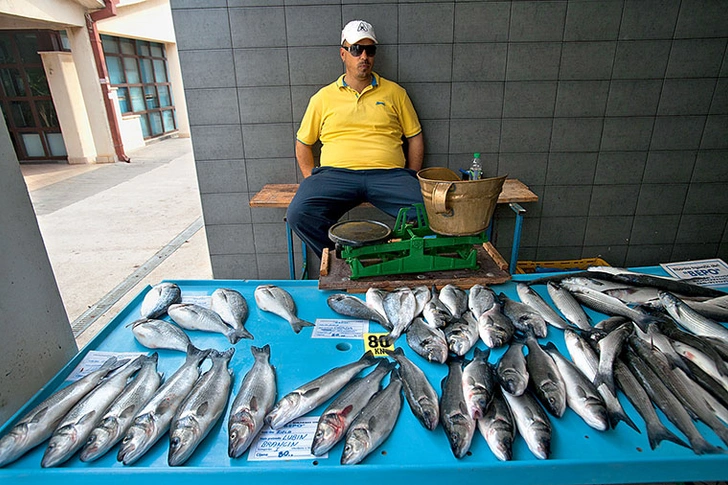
(439, 198)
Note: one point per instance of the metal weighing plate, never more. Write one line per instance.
(359, 233)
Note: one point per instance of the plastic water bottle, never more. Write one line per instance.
(476, 168)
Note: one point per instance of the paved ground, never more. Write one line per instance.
(112, 229)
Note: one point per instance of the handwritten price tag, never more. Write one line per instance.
(377, 343)
(291, 442)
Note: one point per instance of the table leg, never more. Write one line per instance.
(520, 211)
(291, 258)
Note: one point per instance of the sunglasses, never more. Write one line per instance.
(357, 49)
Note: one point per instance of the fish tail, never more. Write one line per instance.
(606, 378)
(615, 416)
(193, 353)
(298, 324)
(264, 350)
(242, 333)
(702, 447)
(658, 433)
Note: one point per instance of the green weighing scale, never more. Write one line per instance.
(371, 248)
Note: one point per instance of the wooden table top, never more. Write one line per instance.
(280, 195)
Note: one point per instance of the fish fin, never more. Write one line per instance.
(479, 353)
(310, 392)
(298, 324)
(128, 411)
(254, 404)
(660, 433)
(38, 417)
(369, 358)
(89, 416)
(203, 408)
(345, 412)
(372, 423)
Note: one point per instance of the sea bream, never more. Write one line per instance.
(497, 426)
(38, 424)
(455, 299)
(338, 416)
(271, 298)
(523, 316)
(478, 383)
(422, 296)
(195, 317)
(119, 415)
(435, 312)
(351, 306)
(374, 299)
(232, 308)
(494, 328)
(399, 307)
(462, 334)
(159, 334)
(314, 393)
(421, 396)
(454, 415)
(429, 342)
(480, 299)
(254, 400)
(159, 298)
(201, 409)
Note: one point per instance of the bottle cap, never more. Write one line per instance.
(476, 155)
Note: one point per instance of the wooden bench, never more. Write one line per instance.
(515, 192)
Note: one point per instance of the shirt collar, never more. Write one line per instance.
(342, 84)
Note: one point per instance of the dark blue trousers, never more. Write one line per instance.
(329, 193)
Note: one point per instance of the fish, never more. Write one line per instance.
(159, 334)
(374, 423)
(568, 306)
(195, 317)
(154, 418)
(118, 417)
(427, 341)
(455, 299)
(374, 299)
(201, 409)
(454, 414)
(523, 316)
(351, 306)
(271, 298)
(529, 296)
(609, 348)
(715, 309)
(422, 296)
(672, 332)
(338, 416)
(478, 383)
(512, 371)
(532, 423)
(494, 328)
(692, 320)
(421, 396)
(159, 298)
(76, 426)
(254, 400)
(701, 360)
(38, 424)
(497, 427)
(480, 299)
(435, 312)
(671, 285)
(314, 393)
(544, 376)
(581, 395)
(462, 334)
(608, 305)
(399, 306)
(232, 308)
(655, 337)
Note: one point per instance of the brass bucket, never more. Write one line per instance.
(458, 207)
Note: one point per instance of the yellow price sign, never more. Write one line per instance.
(378, 343)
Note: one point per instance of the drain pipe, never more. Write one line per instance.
(108, 11)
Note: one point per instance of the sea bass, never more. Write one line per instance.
(271, 298)
(159, 298)
(568, 306)
(454, 414)
(420, 394)
(495, 329)
(532, 423)
(232, 308)
(523, 316)
(478, 383)
(545, 377)
(512, 371)
(497, 427)
(529, 296)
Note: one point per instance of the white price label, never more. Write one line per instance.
(202, 300)
(291, 442)
(340, 328)
(95, 359)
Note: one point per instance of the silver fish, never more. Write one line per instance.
(201, 409)
(523, 316)
(338, 416)
(702, 361)
(420, 394)
(545, 377)
(314, 393)
(232, 308)
(606, 304)
(568, 306)
(478, 383)
(581, 395)
(480, 299)
(255, 399)
(427, 341)
(532, 423)
(511, 370)
(195, 317)
(374, 424)
(271, 298)
(495, 329)
(422, 296)
(38, 424)
(351, 306)
(692, 320)
(76, 426)
(455, 299)
(375, 300)
(399, 306)
(154, 418)
(497, 427)
(609, 348)
(159, 334)
(462, 334)
(454, 414)
(119, 415)
(529, 296)
(435, 312)
(159, 298)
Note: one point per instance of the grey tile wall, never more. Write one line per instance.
(615, 112)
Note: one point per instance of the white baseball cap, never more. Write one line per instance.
(357, 30)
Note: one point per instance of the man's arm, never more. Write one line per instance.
(304, 156)
(415, 152)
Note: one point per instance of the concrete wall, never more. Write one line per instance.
(614, 112)
(36, 338)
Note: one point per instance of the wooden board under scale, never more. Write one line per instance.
(335, 274)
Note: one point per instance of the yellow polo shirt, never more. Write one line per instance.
(360, 131)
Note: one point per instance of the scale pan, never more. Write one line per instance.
(359, 233)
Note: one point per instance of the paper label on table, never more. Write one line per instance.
(292, 442)
(711, 272)
(200, 299)
(378, 343)
(340, 328)
(95, 359)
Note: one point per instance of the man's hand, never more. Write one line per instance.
(415, 152)
(304, 156)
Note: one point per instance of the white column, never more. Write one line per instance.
(178, 91)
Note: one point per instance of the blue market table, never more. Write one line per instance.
(580, 455)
